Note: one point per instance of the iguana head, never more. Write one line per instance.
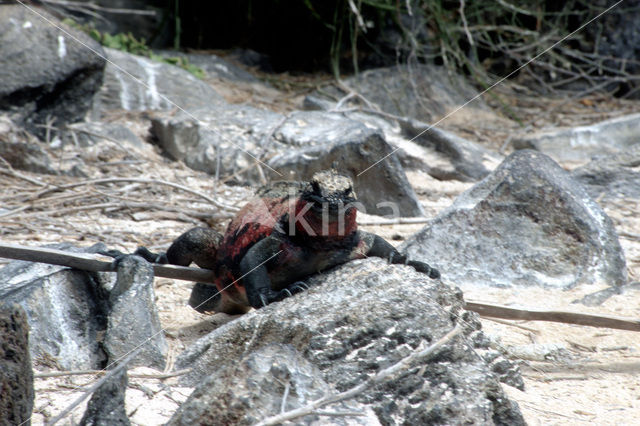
(326, 205)
(329, 188)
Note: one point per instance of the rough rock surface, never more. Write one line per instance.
(65, 313)
(133, 316)
(297, 146)
(325, 140)
(257, 384)
(79, 320)
(220, 141)
(527, 223)
(106, 406)
(448, 156)
(581, 143)
(16, 375)
(354, 321)
(89, 133)
(136, 83)
(45, 75)
(612, 177)
(424, 92)
(21, 150)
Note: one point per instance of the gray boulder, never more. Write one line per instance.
(444, 155)
(256, 385)
(325, 140)
(66, 315)
(80, 320)
(22, 150)
(581, 143)
(227, 140)
(90, 133)
(612, 177)
(422, 92)
(350, 332)
(106, 406)
(46, 76)
(133, 317)
(222, 140)
(136, 83)
(527, 223)
(16, 375)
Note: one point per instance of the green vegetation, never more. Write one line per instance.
(128, 43)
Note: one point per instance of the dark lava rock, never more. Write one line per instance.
(612, 177)
(325, 140)
(220, 140)
(356, 320)
(90, 133)
(46, 76)
(527, 223)
(581, 143)
(81, 320)
(448, 156)
(22, 150)
(136, 83)
(422, 92)
(65, 312)
(106, 406)
(256, 386)
(16, 375)
(133, 317)
(226, 141)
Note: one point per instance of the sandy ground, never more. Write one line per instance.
(573, 374)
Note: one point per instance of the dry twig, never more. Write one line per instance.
(139, 180)
(94, 387)
(100, 372)
(88, 262)
(554, 316)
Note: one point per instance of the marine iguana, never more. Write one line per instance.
(291, 230)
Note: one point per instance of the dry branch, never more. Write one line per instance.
(94, 387)
(48, 374)
(88, 7)
(577, 318)
(139, 180)
(89, 262)
(396, 221)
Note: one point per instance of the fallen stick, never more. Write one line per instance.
(48, 374)
(88, 262)
(94, 388)
(497, 311)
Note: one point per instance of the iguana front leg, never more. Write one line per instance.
(381, 248)
(255, 276)
(197, 245)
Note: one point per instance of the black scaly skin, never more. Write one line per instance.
(259, 262)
